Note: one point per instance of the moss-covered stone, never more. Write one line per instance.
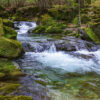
(8, 23)
(92, 35)
(62, 12)
(8, 70)
(49, 25)
(94, 14)
(9, 32)
(8, 88)
(24, 13)
(10, 48)
(15, 98)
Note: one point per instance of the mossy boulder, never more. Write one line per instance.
(94, 29)
(8, 88)
(49, 25)
(8, 70)
(10, 48)
(93, 36)
(52, 29)
(62, 12)
(9, 32)
(8, 23)
(1, 27)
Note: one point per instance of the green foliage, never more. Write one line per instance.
(9, 33)
(10, 48)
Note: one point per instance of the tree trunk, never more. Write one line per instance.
(79, 13)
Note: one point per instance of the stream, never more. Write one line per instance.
(54, 73)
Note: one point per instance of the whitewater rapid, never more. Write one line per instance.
(60, 60)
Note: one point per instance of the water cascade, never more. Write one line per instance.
(46, 64)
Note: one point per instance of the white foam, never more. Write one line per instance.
(24, 27)
(66, 62)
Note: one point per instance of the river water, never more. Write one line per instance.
(53, 74)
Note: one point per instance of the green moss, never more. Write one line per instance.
(24, 13)
(8, 88)
(47, 19)
(52, 29)
(92, 35)
(1, 27)
(49, 25)
(62, 12)
(39, 29)
(9, 32)
(10, 48)
(8, 70)
(22, 98)
(5, 97)
(8, 23)
(75, 21)
(15, 98)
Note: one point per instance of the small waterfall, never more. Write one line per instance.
(52, 48)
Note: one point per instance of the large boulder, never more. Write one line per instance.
(10, 48)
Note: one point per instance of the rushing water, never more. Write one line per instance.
(46, 66)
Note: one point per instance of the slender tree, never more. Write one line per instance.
(79, 3)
